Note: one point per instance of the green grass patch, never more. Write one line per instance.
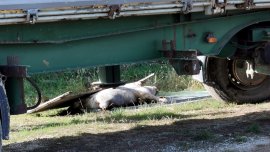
(156, 113)
(241, 139)
(209, 103)
(254, 128)
(50, 119)
(189, 121)
(203, 135)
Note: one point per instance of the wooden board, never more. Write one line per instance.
(63, 100)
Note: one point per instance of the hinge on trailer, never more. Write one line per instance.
(114, 10)
(187, 6)
(32, 16)
(217, 7)
(221, 4)
(246, 5)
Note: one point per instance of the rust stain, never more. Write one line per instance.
(11, 11)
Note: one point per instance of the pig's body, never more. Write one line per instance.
(125, 95)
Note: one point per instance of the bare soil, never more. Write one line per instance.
(241, 128)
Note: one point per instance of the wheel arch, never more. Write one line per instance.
(223, 49)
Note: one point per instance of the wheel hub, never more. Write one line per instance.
(242, 74)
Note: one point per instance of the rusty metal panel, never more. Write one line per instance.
(26, 4)
(37, 11)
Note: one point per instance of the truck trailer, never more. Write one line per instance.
(222, 43)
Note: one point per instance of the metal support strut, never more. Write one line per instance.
(14, 84)
(109, 76)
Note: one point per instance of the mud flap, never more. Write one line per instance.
(5, 114)
(202, 76)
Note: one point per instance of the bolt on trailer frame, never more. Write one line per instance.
(51, 35)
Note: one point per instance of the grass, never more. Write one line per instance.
(194, 122)
(54, 84)
(254, 128)
(24, 127)
(166, 78)
(203, 135)
(241, 139)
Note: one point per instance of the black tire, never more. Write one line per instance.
(1, 136)
(223, 86)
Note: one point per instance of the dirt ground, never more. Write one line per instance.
(243, 128)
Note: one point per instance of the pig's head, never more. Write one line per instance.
(152, 89)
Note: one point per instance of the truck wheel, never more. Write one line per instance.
(229, 82)
(0, 136)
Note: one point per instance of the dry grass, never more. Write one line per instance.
(48, 125)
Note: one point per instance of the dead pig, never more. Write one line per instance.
(121, 96)
(125, 95)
